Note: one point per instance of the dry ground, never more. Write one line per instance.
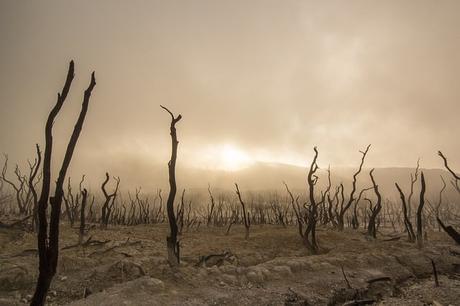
(271, 268)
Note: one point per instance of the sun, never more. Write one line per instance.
(231, 158)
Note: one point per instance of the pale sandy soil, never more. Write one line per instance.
(271, 268)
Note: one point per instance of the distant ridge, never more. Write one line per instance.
(270, 176)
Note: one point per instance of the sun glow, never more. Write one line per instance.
(232, 158)
(226, 157)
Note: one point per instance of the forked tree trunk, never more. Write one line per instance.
(48, 242)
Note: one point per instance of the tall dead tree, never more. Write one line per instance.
(371, 228)
(420, 211)
(351, 199)
(309, 236)
(246, 219)
(48, 241)
(171, 241)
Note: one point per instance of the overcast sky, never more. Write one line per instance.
(254, 80)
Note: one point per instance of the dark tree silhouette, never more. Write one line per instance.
(309, 236)
(109, 201)
(407, 223)
(84, 199)
(419, 220)
(296, 209)
(449, 229)
(211, 207)
(171, 241)
(351, 199)
(32, 187)
(354, 219)
(246, 219)
(371, 228)
(48, 242)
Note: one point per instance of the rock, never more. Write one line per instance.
(228, 269)
(214, 270)
(14, 278)
(283, 270)
(124, 270)
(202, 273)
(255, 277)
(230, 279)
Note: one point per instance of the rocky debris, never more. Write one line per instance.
(137, 292)
(14, 277)
(216, 259)
(293, 298)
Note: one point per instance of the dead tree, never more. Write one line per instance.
(17, 187)
(371, 228)
(48, 242)
(407, 223)
(413, 180)
(180, 213)
(420, 211)
(109, 201)
(84, 195)
(72, 203)
(454, 175)
(351, 199)
(354, 219)
(309, 236)
(33, 174)
(171, 241)
(211, 208)
(246, 219)
(296, 210)
(449, 229)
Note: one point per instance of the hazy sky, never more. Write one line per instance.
(254, 80)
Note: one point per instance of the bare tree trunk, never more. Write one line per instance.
(449, 229)
(407, 223)
(419, 212)
(48, 243)
(211, 209)
(371, 229)
(351, 199)
(82, 214)
(309, 236)
(109, 200)
(34, 192)
(246, 219)
(171, 241)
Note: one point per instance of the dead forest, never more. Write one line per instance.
(67, 243)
